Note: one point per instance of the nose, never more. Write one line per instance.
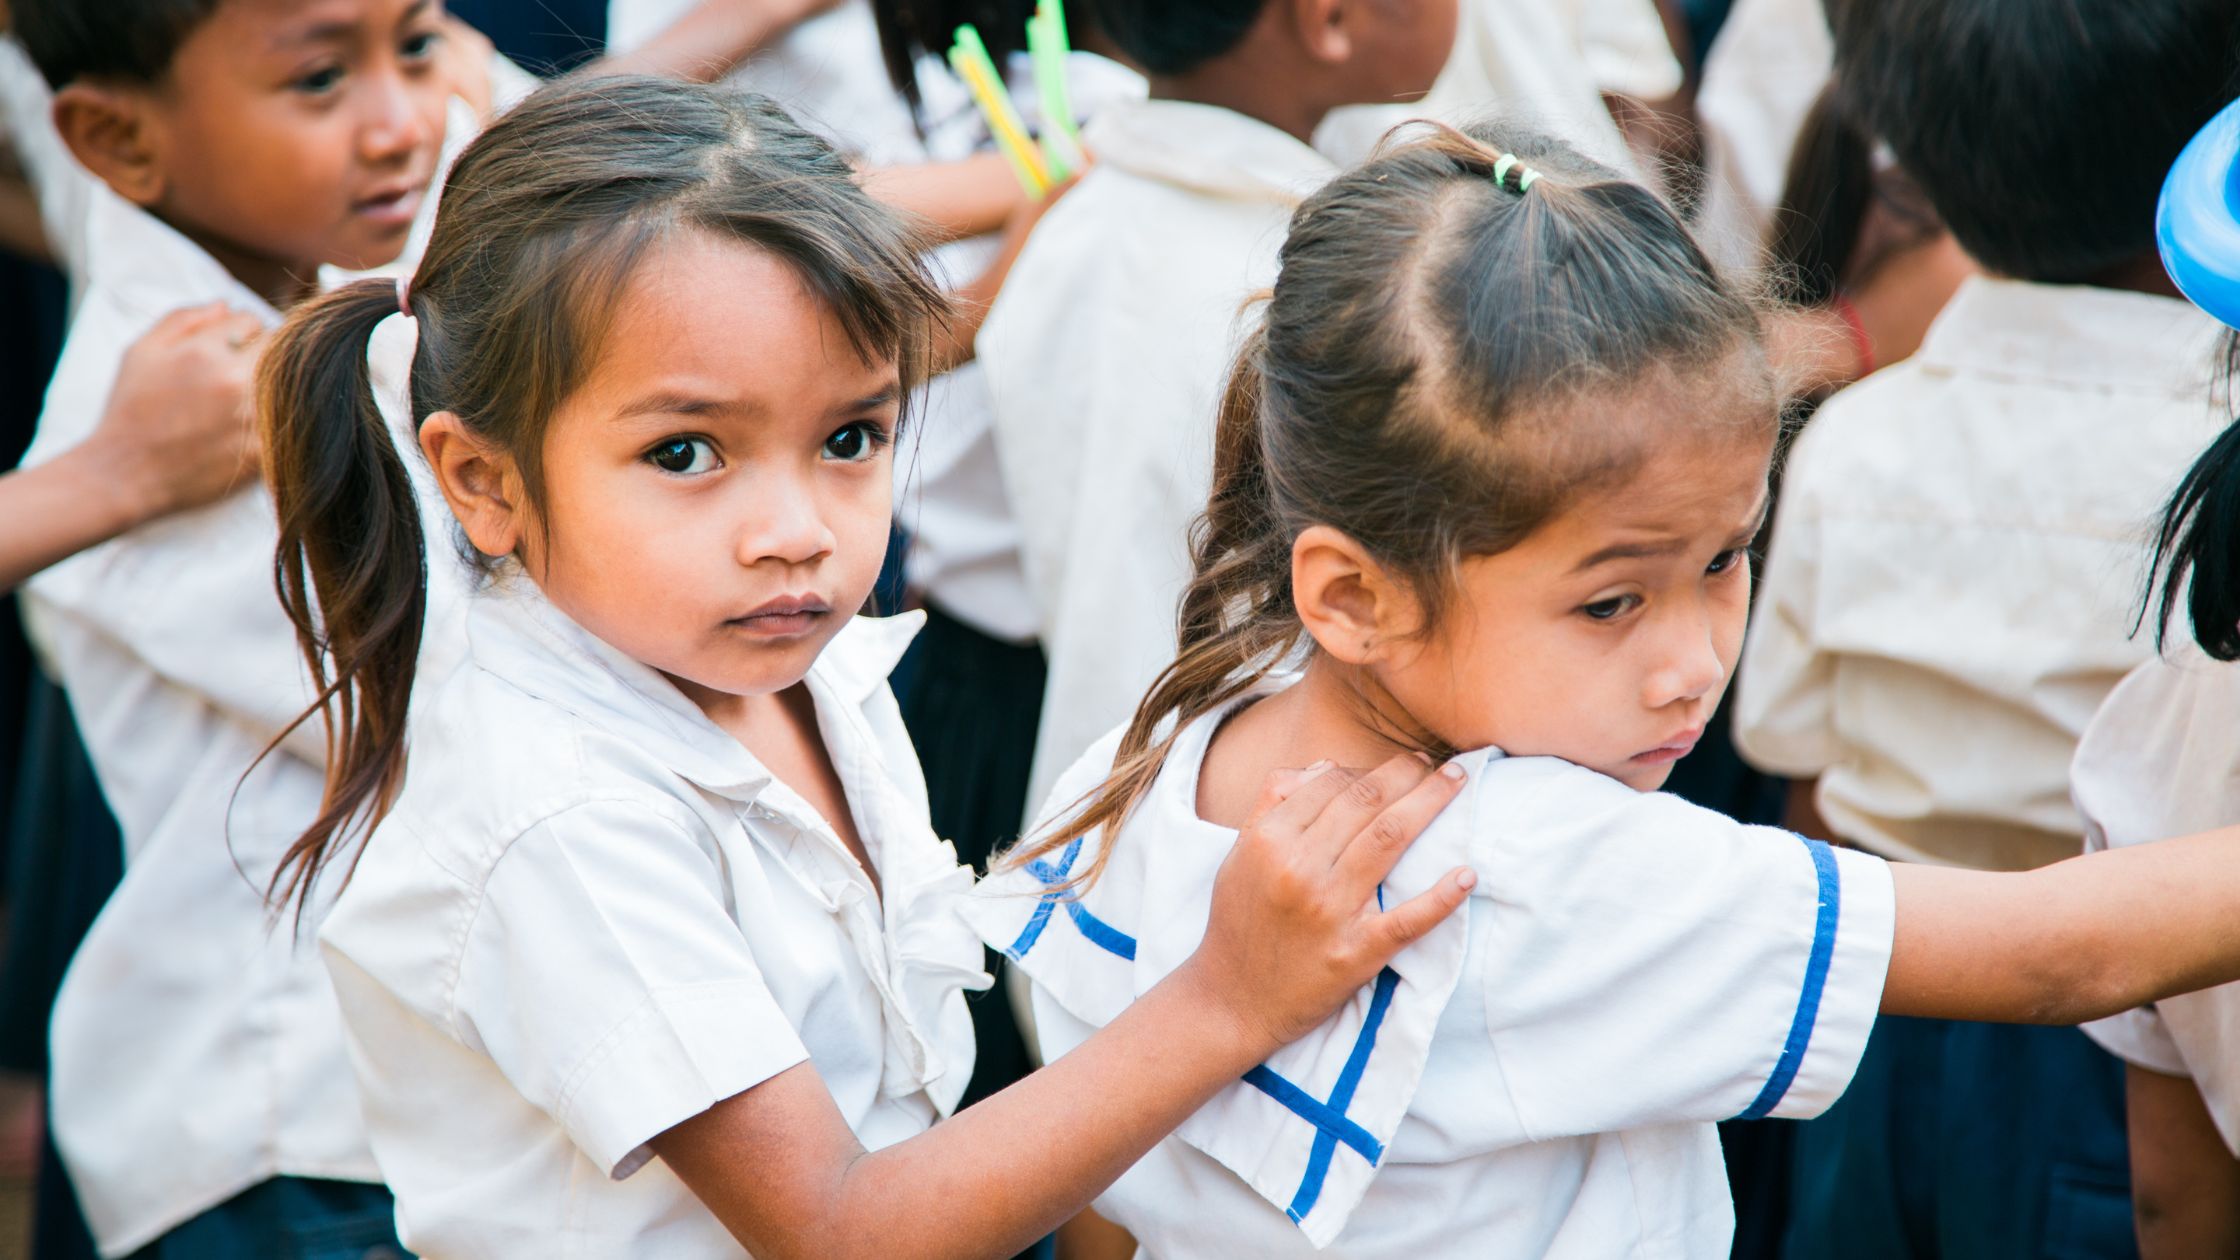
(403, 115)
(784, 524)
(1689, 665)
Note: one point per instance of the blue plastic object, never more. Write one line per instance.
(2198, 222)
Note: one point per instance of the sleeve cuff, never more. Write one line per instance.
(679, 1054)
(1842, 994)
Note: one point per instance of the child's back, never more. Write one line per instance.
(1106, 351)
(197, 1050)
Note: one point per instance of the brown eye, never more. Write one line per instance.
(682, 455)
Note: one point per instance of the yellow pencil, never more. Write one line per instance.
(971, 62)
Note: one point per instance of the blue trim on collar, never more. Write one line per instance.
(1815, 979)
(1093, 929)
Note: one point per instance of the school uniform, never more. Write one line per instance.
(1760, 79)
(1106, 356)
(593, 915)
(1948, 599)
(1539, 1076)
(2158, 762)
(195, 1048)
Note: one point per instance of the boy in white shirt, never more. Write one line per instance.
(1952, 586)
(1107, 349)
(202, 1098)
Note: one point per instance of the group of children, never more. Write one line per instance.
(1327, 524)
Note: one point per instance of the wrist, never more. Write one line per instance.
(118, 482)
(1230, 1031)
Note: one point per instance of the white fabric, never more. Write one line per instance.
(196, 1049)
(950, 493)
(64, 188)
(1106, 355)
(1545, 1078)
(1760, 78)
(593, 915)
(1956, 563)
(2159, 761)
(1544, 63)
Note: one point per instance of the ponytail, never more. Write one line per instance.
(2197, 546)
(1236, 626)
(351, 566)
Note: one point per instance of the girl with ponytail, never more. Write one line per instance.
(648, 873)
(1486, 481)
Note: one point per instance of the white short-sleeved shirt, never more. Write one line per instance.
(593, 915)
(2160, 761)
(1105, 356)
(1955, 567)
(195, 1043)
(1760, 79)
(1540, 1076)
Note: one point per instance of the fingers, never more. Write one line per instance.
(1299, 809)
(1372, 849)
(187, 322)
(1358, 805)
(1411, 920)
(1278, 788)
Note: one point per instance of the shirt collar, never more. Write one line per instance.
(1207, 149)
(2074, 335)
(151, 268)
(516, 634)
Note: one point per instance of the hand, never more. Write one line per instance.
(1295, 928)
(179, 430)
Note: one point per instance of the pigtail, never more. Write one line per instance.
(2196, 560)
(1237, 621)
(351, 566)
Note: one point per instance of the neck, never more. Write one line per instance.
(1256, 91)
(1333, 713)
(276, 281)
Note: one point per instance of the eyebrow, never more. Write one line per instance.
(1672, 546)
(671, 403)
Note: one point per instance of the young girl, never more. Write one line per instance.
(658, 881)
(1487, 480)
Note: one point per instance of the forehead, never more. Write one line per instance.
(731, 320)
(256, 27)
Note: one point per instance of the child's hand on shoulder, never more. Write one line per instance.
(1296, 929)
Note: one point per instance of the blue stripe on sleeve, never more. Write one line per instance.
(1815, 978)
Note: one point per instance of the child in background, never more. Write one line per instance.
(1949, 594)
(201, 1096)
(1105, 352)
(651, 939)
(1487, 480)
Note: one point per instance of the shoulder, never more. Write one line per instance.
(2157, 760)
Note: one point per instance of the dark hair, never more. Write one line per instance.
(1176, 36)
(542, 220)
(2197, 546)
(909, 29)
(128, 40)
(1405, 387)
(1823, 207)
(2040, 129)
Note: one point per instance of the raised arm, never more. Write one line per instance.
(1294, 933)
(176, 434)
(2074, 941)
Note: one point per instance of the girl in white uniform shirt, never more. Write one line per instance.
(650, 941)
(1487, 479)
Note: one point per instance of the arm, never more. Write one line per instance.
(712, 38)
(2185, 1184)
(2070, 942)
(968, 197)
(176, 434)
(953, 340)
(1294, 933)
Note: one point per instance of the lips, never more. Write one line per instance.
(1672, 749)
(392, 207)
(783, 617)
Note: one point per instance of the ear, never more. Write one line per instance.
(1322, 29)
(1356, 611)
(114, 132)
(482, 484)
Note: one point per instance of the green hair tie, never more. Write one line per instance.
(1501, 168)
(1524, 181)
